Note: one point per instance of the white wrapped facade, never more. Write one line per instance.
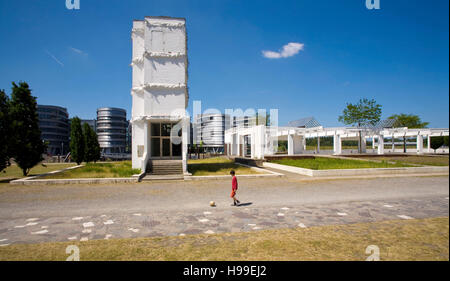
(159, 91)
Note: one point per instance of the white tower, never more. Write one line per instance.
(160, 125)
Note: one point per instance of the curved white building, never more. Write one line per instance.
(112, 128)
(210, 131)
(55, 128)
(159, 90)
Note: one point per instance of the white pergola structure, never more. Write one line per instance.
(262, 139)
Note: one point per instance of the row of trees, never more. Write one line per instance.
(20, 136)
(84, 144)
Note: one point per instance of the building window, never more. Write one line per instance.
(165, 129)
(155, 147)
(176, 149)
(156, 130)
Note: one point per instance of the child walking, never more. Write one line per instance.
(234, 187)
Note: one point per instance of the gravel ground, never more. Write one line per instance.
(34, 214)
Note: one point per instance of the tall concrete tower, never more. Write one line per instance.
(160, 125)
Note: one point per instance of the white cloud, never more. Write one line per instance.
(78, 51)
(289, 50)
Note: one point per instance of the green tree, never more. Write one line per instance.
(77, 144)
(268, 120)
(201, 148)
(365, 112)
(97, 149)
(92, 147)
(4, 130)
(407, 120)
(26, 144)
(282, 146)
(263, 120)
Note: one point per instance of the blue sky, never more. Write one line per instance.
(398, 55)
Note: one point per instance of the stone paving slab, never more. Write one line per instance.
(209, 220)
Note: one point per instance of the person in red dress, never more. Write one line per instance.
(234, 187)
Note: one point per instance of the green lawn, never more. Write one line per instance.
(330, 147)
(324, 163)
(399, 240)
(99, 170)
(217, 166)
(419, 160)
(355, 147)
(14, 172)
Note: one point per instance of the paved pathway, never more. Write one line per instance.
(50, 213)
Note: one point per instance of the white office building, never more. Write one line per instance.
(210, 131)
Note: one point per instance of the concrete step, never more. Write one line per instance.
(165, 167)
(150, 177)
(165, 172)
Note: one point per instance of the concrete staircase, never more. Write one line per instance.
(164, 170)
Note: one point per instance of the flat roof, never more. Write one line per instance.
(164, 17)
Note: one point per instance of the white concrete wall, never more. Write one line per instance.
(259, 141)
(163, 70)
(165, 35)
(380, 144)
(290, 144)
(419, 144)
(138, 140)
(296, 144)
(337, 144)
(356, 172)
(299, 144)
(138, 39)
(161, 102)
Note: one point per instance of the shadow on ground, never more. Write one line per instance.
(245, 204)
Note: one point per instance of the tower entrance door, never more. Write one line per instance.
(162, 147)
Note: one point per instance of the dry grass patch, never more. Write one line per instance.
(14, 172)
(217, 166)
(211, 160)
(120, 169)
(421, 239)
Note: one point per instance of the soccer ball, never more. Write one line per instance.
(212, 203)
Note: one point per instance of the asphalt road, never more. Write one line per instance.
(33, 214)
